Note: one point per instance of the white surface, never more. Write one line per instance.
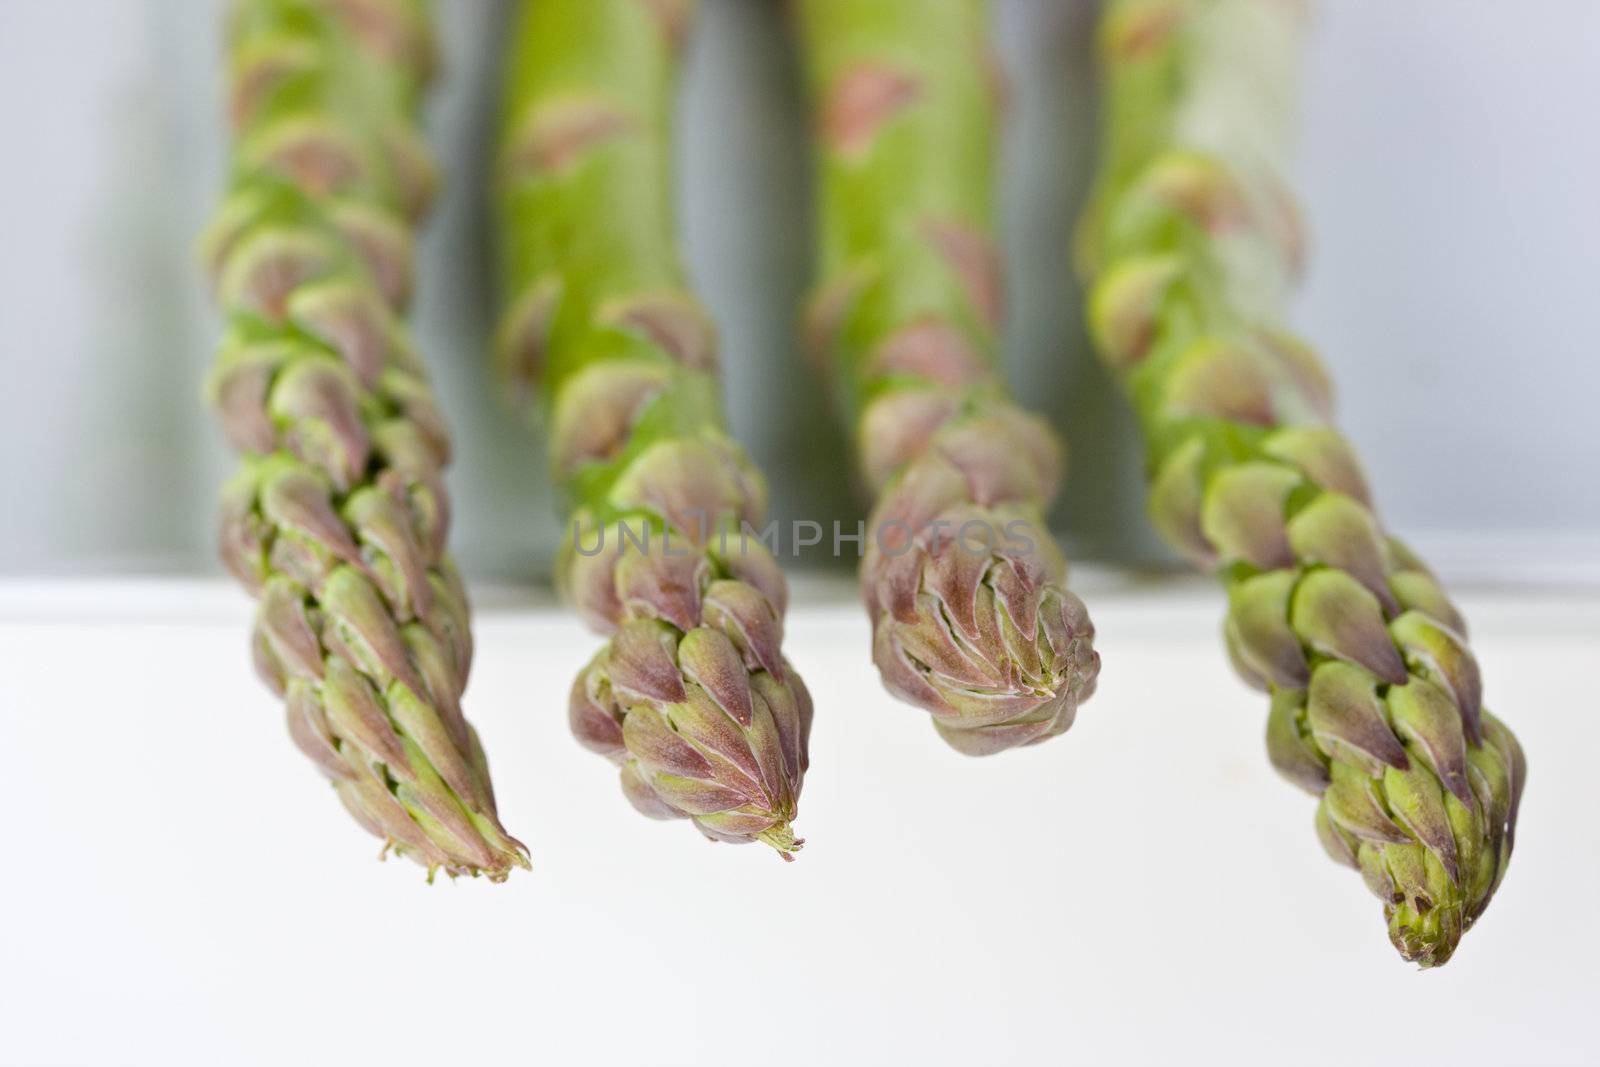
(180, 888)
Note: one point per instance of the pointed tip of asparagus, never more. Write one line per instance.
(1427, 937)
(507, 854)
(781, 838)
(998, 652)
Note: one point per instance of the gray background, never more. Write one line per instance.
(1449, 168)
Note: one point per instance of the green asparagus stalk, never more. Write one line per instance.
(337, 518)
(1193, 244)
(691, 696)
(961, 579)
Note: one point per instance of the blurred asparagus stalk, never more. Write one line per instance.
(337, 518)
(1193, 244)
(690, 696)
(963, 583)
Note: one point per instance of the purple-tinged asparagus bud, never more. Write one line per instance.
(1501, 770)
(1340, 846)
(1220, 380)
(1008, 456)
(1336, 530)
(1374, 863)
(642, 664)
(586, 574)
(1139, 32)
(699, 729)
(442, 666)
(973, 259)
(264, 269)
(1438, 654)
(593, 715)
(353, 709)
(441, 815)
(1427, 720)
(689, 483)
(597, 410)
(1347, 718)
(1124, 306)
(1337, 616)
(377, 808)
(1198, 187)
(243, 534)
(282, 622)
(298, 504)
(393, 32)
(382, 243)
(255, 76)
(310, 731)
(418, 409)
(560, 134)
(1176, 495)
(916, 497)
(393, 558)
(1289, 747)
(314, 154)
(710, 660)
(1301, 367)
(1413, 796)
(790, 703)
(1233, 644)
(1324, 457)
(1242, 514)
(752, 564)
(358, 623)
(412, 480)
(750, 621)
(655, 585)
(1355, 804)
(673, 322)
(441, 646)
(412, 171)
(318, 402)
(981, 634)
(237, 391)
(899, 426)
(351, 320)
(1258, 619)
(520, 342)
(1417, 590)
(235, 217)
(861, 102)
(930, 349)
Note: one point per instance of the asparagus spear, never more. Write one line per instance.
(336, 520)
(691, 696)
(1193, 243)
(964, 586)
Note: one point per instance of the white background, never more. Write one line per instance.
(182, 888)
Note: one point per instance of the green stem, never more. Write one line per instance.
(979, 632)
(690, 696)
(337, 519)
(1193, 243)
